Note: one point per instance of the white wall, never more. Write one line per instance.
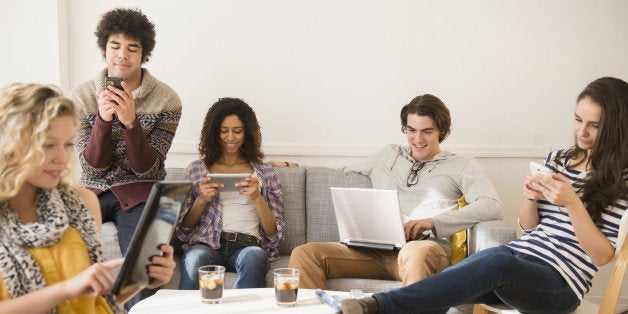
(328, 78)
(332, 75)
(29, 42)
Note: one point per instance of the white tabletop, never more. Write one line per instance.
(261, 300)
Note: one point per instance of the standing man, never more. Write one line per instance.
(125, 133)
(429, 183)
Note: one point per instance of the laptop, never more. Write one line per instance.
(368, 218)
(156, 226)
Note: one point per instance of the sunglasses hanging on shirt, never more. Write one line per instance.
(413, 177)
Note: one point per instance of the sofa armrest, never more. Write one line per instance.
(486, 234)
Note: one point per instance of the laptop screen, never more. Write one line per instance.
(368, 216)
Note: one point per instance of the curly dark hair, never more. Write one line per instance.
(430, 106)
(210, 147)
(131, 23)
(609, 155)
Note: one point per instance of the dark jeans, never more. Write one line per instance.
(125, 222)
(496, 274)
(248, 261)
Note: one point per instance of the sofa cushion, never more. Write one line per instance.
(293, 189)
(321, 219)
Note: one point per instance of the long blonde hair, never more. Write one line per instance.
(26, 111)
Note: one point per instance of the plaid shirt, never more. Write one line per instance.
(207, 230)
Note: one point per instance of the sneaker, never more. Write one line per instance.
(360, 306)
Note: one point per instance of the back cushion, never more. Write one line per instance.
(321, 219)
(175, 174)
(293, 190)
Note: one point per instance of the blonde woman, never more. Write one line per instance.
(50, 249)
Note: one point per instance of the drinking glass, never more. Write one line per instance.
(210, 282)
(286, 286)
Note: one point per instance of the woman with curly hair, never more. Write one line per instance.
(238, 230)
(570, 221)
(50, 250)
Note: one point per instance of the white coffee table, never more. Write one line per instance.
(260, 300)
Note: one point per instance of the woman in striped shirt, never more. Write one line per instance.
(570, 222)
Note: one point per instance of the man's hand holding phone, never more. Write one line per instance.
(117, 100)
(106, 107)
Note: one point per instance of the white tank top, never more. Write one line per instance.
(239, 213)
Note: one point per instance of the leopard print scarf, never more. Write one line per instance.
(57, 209)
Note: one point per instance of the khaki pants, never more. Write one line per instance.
(321, 260)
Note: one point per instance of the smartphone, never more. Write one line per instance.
(115, 82)
(538, 168)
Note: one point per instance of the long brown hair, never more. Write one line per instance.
(210, 147)
(609, 154)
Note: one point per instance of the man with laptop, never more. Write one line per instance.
(428, 184)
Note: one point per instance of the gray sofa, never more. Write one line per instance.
(309, 217)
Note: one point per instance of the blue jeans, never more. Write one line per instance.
(125, 221)
(249, 262)
(496, 274)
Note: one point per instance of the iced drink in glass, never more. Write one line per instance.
(210, 281)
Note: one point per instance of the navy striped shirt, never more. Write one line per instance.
(554, 240)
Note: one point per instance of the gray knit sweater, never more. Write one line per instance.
(126, 161)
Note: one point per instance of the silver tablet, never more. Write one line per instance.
(154, 228)
(229, 180)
